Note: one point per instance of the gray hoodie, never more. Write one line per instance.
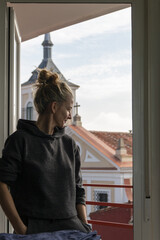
(43, 172)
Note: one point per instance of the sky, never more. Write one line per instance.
(96, 55)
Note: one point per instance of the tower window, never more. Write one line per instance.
(29, 111)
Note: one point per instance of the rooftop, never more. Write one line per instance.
(112, 138)
(106, 146)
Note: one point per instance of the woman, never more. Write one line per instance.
(41, 165)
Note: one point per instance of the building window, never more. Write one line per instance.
(29, 111)
(101, 196)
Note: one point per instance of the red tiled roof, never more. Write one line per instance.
(100, 145)
(112, 138)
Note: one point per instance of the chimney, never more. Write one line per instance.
(121, 151)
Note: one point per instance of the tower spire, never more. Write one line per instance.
(47, 47)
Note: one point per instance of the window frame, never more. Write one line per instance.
(96, 195)
(29, 111)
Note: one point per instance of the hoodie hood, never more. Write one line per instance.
(31, 127)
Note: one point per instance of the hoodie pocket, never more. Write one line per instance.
(87, 226)
(29, 230)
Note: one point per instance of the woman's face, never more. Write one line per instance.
(63, 112)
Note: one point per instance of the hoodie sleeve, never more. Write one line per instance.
(10, 163)
(80, 192)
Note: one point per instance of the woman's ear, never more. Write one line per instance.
(53, 107)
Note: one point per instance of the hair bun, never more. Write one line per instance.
(46, 77)
(53, 79)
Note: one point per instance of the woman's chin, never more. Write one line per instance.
(62, 125)
(65, 124)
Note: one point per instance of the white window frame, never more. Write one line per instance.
(14, 82)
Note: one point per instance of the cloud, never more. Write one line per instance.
(66, 55)
(103, 64)
(109, 77)
(34, 42)
(95, 70)
(102, 91)
(108, 122)
(114, 22)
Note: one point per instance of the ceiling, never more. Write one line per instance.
(36, 19)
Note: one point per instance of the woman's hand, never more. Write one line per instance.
(21, 231)
(8, 206)
(81, 212)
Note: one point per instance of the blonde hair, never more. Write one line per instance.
(49, 88)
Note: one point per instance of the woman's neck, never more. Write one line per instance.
(45, 124)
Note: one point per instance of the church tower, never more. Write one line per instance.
(28, 111)
(47, 47)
